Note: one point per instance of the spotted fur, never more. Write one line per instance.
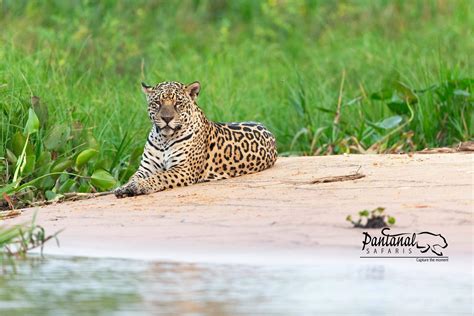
(184, 147)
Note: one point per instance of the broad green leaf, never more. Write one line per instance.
(66, 186)
(32, 125)
(43, 163)
(397, 95)
(44, 158)
(27, 195)
(405, 92)
(12, 159)
(85, 156)
(63, 177)
(103, 180)
(50, 195)
(74, 187)
(84, 188)
(92, 142)
(29, 165)
(398, 105)
(390, 122)
(57, 137)
(62, 165)
(46, 183)
(364, 213)
(399, 108)
(9, 188)
(384, 94)
(103, 164)
(17, 143)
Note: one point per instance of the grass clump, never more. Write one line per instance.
(326, 77)
(39, 164)
(17, 240)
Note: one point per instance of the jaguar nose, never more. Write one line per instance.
(167, 119)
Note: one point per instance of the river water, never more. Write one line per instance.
(86, 286)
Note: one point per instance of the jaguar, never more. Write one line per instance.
(184, 147)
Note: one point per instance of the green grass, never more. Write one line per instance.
(17, 240)
(288, 64)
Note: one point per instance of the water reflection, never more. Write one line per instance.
(61, 286)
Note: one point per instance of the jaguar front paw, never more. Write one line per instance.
(127, 190)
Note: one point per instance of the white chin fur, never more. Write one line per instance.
(167, 131)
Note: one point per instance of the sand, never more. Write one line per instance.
(277, 215)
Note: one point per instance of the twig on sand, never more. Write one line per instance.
(462, 147)
(72, 196)
(9, 214)
(80, 196)
(349, 177)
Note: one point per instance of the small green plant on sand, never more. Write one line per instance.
(372, 219)
(17, 240)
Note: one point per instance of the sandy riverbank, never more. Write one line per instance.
(276, 215)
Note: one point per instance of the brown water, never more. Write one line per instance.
(83, 286)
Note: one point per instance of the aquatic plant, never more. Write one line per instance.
(17, 240)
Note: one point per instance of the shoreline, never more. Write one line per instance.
(276, 216)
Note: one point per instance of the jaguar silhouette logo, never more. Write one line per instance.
(428, 241)
(403, 245)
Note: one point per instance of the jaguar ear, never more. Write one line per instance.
(146, 88)
(193, 89)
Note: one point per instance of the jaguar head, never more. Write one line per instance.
(171, 105)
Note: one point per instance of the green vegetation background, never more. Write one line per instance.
(327, 77)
